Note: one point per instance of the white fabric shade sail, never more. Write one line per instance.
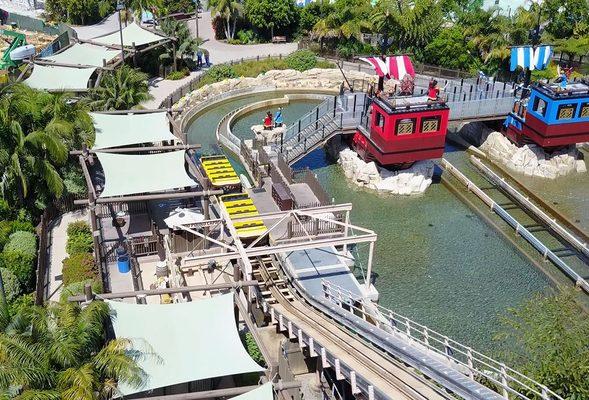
(132, 33)
(59, 78)
(264, 392)
(116, 130)
(185, 342)
(127, 174)
(84, 54)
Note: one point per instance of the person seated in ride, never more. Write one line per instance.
(433, 91)
(268, 120)
(278, 119)
(564, 74)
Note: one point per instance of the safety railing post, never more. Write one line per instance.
(504, 381)
(470, 363)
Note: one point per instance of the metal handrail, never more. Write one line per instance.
(476, 362)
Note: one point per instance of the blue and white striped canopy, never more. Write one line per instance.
(528, 57)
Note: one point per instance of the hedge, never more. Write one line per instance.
(301, 60)
(77, 288)
(12, 286)
(22, 265)
(7, 228)
(79, 267)
(22, 242)
(78, 227)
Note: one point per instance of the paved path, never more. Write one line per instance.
(57, 252)
(220, 52)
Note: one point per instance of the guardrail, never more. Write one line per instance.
(519, 229)
(327, 106)
(505, 380)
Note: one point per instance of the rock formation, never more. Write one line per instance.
(268, 135)
(531, 159)
(410, 181)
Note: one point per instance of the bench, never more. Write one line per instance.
(278, 39)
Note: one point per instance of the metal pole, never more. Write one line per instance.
(369, 272)
(196, 6)
(121, 33)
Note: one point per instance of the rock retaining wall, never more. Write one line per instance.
(410, 181)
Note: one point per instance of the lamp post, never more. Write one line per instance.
(196, 7)
(121, 6)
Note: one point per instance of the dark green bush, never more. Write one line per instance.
(22, 242)
(217, 73)
(255, 68)
(22, 265)
(252, 348)
(79, 267)
(301, 60)
(12, 286)
(81, 243)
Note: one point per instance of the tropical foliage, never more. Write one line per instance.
(122, 89)
(185, 44)
(79, 11)
(61, 352)
(272, 16)
(36, 131)
(547, 338)
(228, 11)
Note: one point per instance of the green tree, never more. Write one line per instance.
(562, 16)
(79, 11)
(61, 352)
(451, 49)
(349, 20)
(272, 15)
(122, 89)
(313, 12)
(547, 338)
(229, 11)
(410, 24)
(185, 44)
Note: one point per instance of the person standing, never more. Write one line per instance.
(433, 92)
(199, 58)
(207, 62)
(278, 119)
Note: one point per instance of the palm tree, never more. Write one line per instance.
(30, 147)
(122, 89)
(348, 21)
(410, 24)
(61, 352)
(184, 41)
(229, 11)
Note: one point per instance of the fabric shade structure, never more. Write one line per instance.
(395, 67)
(127, 174)
(84, 54)
(132, 33)
(116, 130)
(59, 78)
(183, 342)
(528, 57)
(264, 392)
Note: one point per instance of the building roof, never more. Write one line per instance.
(184, 342)
(127, 174)
(59, 78)
(132, 33)
(116, 130)
(84, 54)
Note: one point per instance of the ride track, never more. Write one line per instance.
(391, 378)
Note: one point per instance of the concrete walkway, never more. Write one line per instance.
(220, 52)
(57, 252)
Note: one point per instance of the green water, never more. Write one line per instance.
(435, 261)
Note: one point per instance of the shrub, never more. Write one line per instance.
(255, 68)
(77, 288)
(246, 36)
(252, 348)
(79, 238)
(22, 242)
(301, 60)
(78, 228)
(79, 267)
(21, 265)
(221, 72)
(12, 286)
(176, 75)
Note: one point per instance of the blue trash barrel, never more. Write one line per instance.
(123, 260)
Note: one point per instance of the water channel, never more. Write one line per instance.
(435, 260)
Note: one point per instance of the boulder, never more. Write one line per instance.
(413, 180)
(533, 160)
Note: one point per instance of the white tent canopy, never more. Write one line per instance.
(132, 33)
(116, 130)
(191, 341)
(264, 392)
(59, 78)
(84, 54)
(127, 174)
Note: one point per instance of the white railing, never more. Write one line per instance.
(477, 366)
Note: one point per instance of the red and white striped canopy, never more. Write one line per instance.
(391, 67)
